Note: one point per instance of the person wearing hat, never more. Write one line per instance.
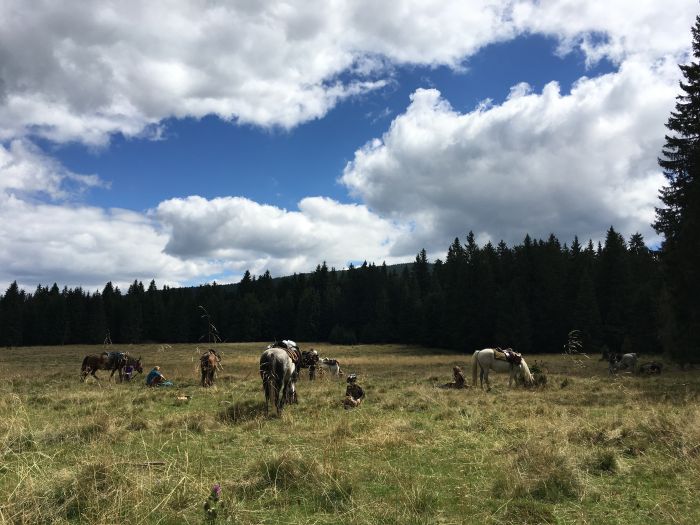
(353, 393)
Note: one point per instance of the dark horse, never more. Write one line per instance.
(208, 363)
(114, 361)
(279, 371)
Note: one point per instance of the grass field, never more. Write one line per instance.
(587, 448)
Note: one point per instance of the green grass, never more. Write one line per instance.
(586, 448)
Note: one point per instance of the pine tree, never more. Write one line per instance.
(11, 310)
(614, 290)
(679, 220)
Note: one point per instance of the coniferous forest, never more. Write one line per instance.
(528, 297)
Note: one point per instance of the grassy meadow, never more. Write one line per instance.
(586, 448)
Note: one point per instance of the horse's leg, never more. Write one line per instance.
(488, 383)
(266, 389)
(279, 399)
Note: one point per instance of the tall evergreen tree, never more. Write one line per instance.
(11, 310)
(679, 219)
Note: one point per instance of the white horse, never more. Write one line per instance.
(486, 360)
(278, 373)
(332, 366)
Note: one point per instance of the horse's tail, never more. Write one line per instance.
(525, 370)
(475, 366)
(84, 366)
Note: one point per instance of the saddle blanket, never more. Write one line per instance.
(507, 355)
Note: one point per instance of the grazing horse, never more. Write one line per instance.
(486, 360)
(208, 363)
(625, 362)
(114, 361)
(279, 371)
(332, 366)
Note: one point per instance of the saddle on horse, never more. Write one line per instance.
(508, 355)
(291, 348)
(114, 358)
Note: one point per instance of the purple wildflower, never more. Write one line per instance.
(216, 491)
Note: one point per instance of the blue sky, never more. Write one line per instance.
(180, 150)
(214, 158)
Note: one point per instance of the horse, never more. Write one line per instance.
(625, 362)
(208, 363)
(486, 360)
(279, 372)
(330, 365)
(114, 361)
(127, 360)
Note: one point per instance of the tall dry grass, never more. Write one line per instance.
(585, 448)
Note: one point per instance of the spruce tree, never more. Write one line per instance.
(679, 219)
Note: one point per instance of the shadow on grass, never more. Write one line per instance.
(242, 411)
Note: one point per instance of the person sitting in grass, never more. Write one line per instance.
(353, 393)
(458, 379)
(156, 378)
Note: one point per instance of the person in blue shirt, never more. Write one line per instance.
(156, 378)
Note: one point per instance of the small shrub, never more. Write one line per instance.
(526, 512)
(605, 461)
(541, 472)
(138, 424)
(240, 412)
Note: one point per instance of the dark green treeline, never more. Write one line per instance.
(527, 297)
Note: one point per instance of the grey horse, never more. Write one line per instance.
(278, 372)
(626, 362)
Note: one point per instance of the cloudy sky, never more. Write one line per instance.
(188, 141)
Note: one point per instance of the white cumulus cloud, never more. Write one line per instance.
(79, 245)
(538, 163)
(254, 236)
(81, 71)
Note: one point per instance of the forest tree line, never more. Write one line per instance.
(528, 297)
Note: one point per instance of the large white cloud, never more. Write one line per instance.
(619, 29)
(79, 245)
(80, 71)
(183, 240)
(255, 236)
(538, 163)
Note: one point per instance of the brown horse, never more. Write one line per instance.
(114, 361)
(208, 363)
